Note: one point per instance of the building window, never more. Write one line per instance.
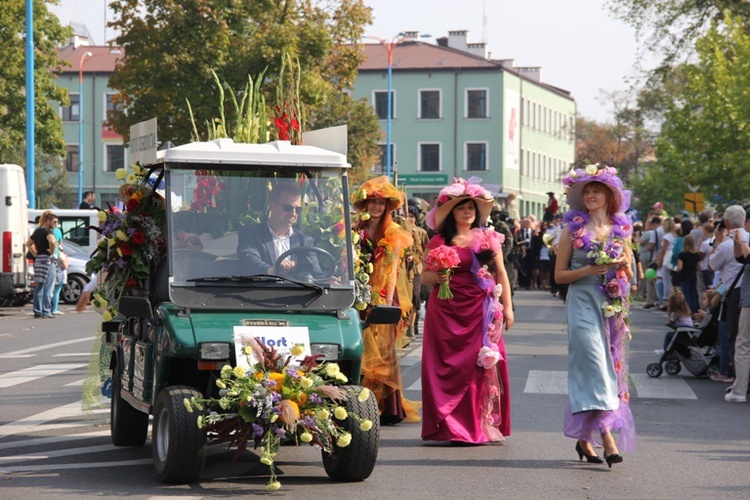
(115, 157)
(429, 104)
(71, 157)
(111, 106)
(476, 103)
(382, 164)
(381, 104)
(429, 157)
(476, 156)
(71, 113)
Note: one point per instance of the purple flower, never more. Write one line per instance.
(257, 430)
(279, 431)
(292, 373)
(315, 399)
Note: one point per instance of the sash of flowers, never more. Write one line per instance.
(483, 240)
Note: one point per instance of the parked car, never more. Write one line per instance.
(78, 256)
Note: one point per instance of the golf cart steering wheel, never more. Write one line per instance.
(326, 261)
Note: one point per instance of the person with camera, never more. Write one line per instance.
(722, 260)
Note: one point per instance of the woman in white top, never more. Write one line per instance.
(664, 260)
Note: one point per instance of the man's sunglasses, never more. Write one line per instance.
(288, 208)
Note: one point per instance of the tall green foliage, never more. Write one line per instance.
(705, 138)
(172, 46)
(48, 35)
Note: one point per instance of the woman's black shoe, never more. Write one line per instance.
(614, 458)
(592, 459)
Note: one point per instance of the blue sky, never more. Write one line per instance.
(579, 46)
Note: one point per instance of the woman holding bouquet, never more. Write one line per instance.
(384, 241)
(594, 258)
(465, 386)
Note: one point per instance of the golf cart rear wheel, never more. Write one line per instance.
(128, 426)
(673, 367)
(356, 461)
(177, 444)
(654, 370)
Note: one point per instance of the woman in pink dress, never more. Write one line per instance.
(465, 386)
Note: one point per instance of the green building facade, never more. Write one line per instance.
(457, 113)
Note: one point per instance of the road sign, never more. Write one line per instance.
(694, 202)
(424, 179)
(143, 142)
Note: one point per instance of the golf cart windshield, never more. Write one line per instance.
(258, 237)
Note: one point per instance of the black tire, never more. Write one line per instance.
(673, 367)
(356, 461)
(128, 426)
(654, 370)
(73, 288)
(177, 444)
(712, 370)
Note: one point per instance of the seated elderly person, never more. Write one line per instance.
(260, 245)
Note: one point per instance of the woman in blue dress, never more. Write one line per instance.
(594, 257)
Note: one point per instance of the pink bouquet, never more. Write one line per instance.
(443, 258)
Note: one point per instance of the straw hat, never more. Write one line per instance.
(577, 179)
(379, 187)
(450, 196)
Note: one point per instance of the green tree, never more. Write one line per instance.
(48, 35)
(171, 46)
(362, 130)
(669, 28)
(705, 138)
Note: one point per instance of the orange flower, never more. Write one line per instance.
(278, 379)
(289, 412)
(301, 398)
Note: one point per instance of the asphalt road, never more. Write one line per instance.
(692, 444)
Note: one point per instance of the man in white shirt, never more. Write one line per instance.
(260, 245)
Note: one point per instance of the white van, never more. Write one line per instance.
(75, 225)
(14, 279)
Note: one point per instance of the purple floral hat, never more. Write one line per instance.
(577, 179)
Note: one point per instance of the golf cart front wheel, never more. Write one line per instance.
(356, 461)
(177, 444)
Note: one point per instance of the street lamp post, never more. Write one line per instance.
(390, 47)
(80, 125)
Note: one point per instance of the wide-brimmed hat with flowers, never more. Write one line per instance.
(577, 179)
(379, 187)
(450, 196)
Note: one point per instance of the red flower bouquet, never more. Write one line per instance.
(443, 259)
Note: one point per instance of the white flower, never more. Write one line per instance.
(344, 440)
(591, 169)
(305, 382)
(609, 309)
(131, 178)
(340, 413)
(573, 173)
(341, 377)
(305, 437)
(239, 371)
(332, 369)
(120, 174)
(366, 425)
(364, 395)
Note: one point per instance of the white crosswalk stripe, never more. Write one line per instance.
(32, 373)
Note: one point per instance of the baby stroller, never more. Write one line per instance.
(696, 348)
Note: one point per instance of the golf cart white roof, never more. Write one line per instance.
(226, 151)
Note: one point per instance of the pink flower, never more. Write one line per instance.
(613, 288)
(442, 257)
(488, 356)
(453, 190)
(578, 219)
(483, 273)
(578, 233)
(498, 290)
(578, 243)
(477, 191)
